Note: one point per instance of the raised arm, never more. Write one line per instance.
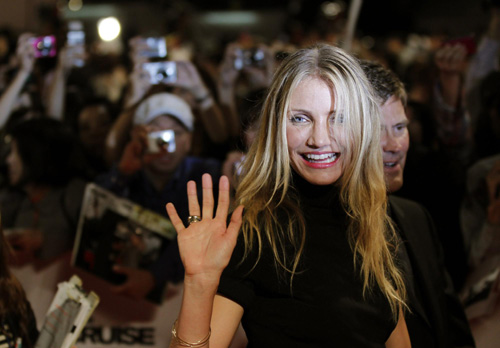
(205, 247)
(26, 56)
(211, 116)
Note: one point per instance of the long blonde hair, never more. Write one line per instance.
(264, 189)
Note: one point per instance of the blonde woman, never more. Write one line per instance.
(310, 263)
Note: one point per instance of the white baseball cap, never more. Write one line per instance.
(164, 104)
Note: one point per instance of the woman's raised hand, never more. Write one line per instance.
(206, 246)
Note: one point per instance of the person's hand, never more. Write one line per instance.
(137, 45)
(493, 184)
(189, 78)
(25, 52)
(259, 77)
(206, 246)
(139, 84)
(451, 58)
(138, 284)
(135, 154)
(227, 70)
(25, 242)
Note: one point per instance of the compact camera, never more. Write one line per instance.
(249, 57)
(153, 47)
(161, 72)
(161, 139)
(45, 46)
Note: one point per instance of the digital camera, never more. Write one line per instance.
(153, 47)
(161, 139)
(45, 46)
(161, 72)
(249, 57)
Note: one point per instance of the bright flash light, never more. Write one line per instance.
(109, 28)
(331, 9)
(75, 5)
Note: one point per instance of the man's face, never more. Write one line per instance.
(169, 162)
(395, 141)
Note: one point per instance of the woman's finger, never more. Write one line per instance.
(193, 204)
(223, 205)
(208, 196)
(235, 223)
(174, 218)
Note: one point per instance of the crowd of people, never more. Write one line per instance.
(288, 168)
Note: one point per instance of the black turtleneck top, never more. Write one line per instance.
(325, 306)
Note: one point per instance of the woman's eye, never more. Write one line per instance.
(298, 119)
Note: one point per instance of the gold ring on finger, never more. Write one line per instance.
(193, 218)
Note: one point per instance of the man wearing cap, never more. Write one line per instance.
(154, 169)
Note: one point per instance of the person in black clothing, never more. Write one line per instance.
(314, 264)
(436, 317)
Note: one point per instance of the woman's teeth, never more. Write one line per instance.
(323, 158)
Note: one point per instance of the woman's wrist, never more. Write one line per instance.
(203, 283)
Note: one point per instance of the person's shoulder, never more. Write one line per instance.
(404, 203)
(404, 207)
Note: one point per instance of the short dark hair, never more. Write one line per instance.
(48, 151)
(384, 82)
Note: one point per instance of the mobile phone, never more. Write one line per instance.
(161, 72)
(161, 139)
(45, 46)
(153, 47)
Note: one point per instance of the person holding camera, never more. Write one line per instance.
(179, 77)
(15, 97)
(242, 72)
(155, 167)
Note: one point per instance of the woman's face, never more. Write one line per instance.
(315, 141)
(14, 164)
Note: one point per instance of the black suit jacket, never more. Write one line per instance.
(437, 304)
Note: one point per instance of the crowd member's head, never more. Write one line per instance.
(42, 153)
(166, 112)
(15, 310)
(321, 121)
(94, 121)
(395, 139)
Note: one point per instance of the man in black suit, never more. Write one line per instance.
(436, 317)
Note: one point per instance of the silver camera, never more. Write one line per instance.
(161, 72)
(161, 139)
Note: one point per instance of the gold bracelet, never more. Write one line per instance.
(181, 343)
